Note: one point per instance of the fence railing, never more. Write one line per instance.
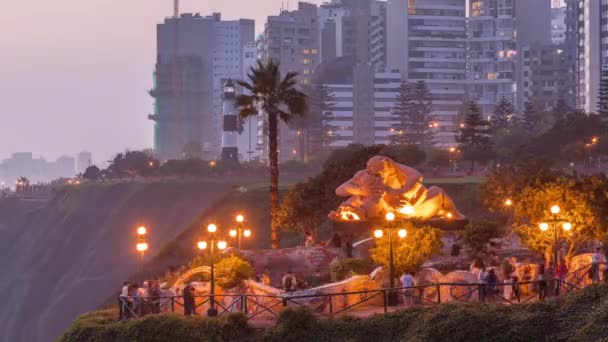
(364, 301)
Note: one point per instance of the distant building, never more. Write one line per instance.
(36, 170)
(292, 38)
(196, 55)
(248, 137)
(543, 77)
(84, 159)
(558, 25)
(497, 29)
(429, 42)
(586, 24)
(363, 100)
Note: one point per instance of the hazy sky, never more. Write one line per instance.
(74, 74)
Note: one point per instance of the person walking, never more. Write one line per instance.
(542, 282)
(482, 277)
(189, 300)
(562, 272)
(491, 281)
(408, 282)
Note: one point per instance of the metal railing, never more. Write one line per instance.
(365, 302)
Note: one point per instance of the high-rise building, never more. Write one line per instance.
(292, 38)
(428, 41)
(584, 48)
(354, 28)
(497, 28)
(84, 159)
(363, 98)
(543, 76)
(558, 25)
(196, 55)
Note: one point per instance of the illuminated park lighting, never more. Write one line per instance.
(402, 233)
(247, 233)
(555, 210)
(567, 226)
(240, 218)
(544, 226)
(222, 245)
(142, 230)
(378, 233)
(202, 245)
(212, 228)
(142, 247)
(232, 232)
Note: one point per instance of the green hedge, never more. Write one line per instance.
(581, 316)
(340, 268)
(102, 326)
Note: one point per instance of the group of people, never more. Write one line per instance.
(139, 298)
(290, 282)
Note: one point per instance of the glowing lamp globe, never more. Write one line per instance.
(449, 216)
(378, 233)
(142, 247)
(142, 230)
(555, 210)
(390, 216)
(544, 226)
(222, 245)
(212, 228)
(402, 233)
(247, 233)
(232, 233)
(240, 218)
(508, 202)
(201, 245)
(567, 226)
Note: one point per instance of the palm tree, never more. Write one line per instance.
(277, 98)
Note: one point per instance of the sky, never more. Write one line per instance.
(74, 74)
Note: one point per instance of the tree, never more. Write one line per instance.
(420, 116)
(231, 271)
(193, 150)
(279, 99)
(402, 113)
(409, 252)
(602, 100)
(560, 110)
(477, 235)
(92, 173)
(580, 205)
(500, 115)
(531, 119)
(132, 163)
(474, 138)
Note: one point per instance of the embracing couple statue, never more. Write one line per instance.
(387, 186)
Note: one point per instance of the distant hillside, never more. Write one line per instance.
(66, 257)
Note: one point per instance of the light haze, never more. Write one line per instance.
(74, 74)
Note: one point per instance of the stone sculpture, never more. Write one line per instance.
(387, 186)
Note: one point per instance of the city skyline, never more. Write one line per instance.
(113, 63)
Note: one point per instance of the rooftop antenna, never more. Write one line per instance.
(175, 9)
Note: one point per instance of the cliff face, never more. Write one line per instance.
(66, 257)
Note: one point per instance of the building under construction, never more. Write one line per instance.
(196, 55)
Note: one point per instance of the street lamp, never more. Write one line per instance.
(142, 245)
(453, 158)
(240, 231)
(566, 226)
(379, 233)
(212, 244)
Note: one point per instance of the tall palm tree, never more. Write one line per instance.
(277, 98)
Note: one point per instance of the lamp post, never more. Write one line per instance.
(240, 231)
(453, 158)
(142, 245)
(379, 233)
(566, 226)
(213, 244)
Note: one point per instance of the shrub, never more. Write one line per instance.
(340, 268)
(477, 234)
(231, 271)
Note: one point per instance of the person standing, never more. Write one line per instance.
(348, 246)
(595, 265)
(123, 300)
(316, 279)
(289, 282)
(542, 282)
(482, 277)
(491, 281)
(189, 300)
(550, 277)
(408, 282)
